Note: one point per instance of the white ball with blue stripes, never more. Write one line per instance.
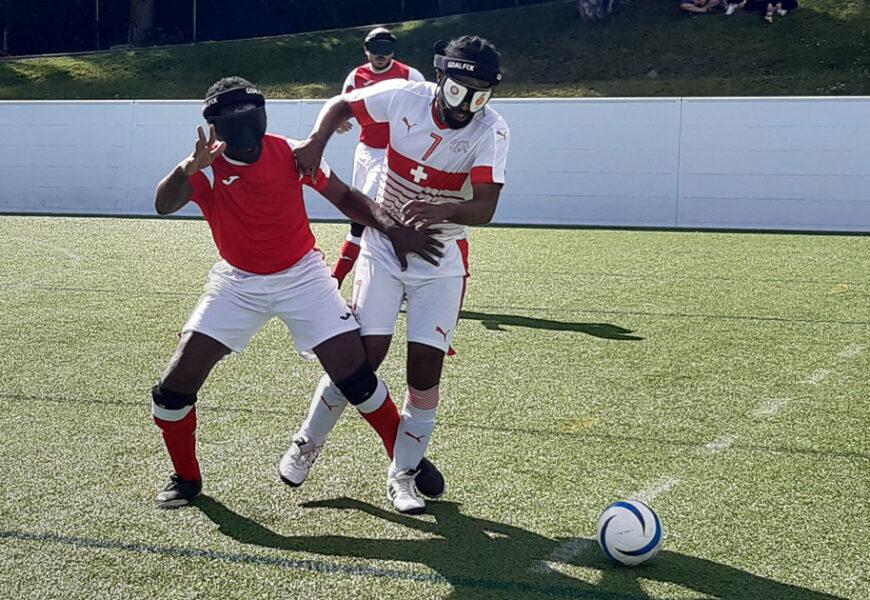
(629, 532)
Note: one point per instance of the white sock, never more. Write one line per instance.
(327, 404)
(415, 429)
(354, 239)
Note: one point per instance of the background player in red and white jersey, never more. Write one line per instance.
(368, 158)
(250, 191)
(444, 169)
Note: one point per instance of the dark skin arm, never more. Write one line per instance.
(174, 190)
(362, 209)
(477, 211)
(334, 113)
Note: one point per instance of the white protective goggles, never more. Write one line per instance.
(455, 94)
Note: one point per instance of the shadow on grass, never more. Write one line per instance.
(494, 322)
(481, 558)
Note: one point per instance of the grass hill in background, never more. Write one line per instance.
(648, 49)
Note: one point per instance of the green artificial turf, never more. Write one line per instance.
(723, 374)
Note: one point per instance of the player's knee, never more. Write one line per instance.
(170, 400)
(360, 386)
(424, 365)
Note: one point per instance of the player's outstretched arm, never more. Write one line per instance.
(333, 115)
(361, 209)
(174, 190)
(477, 211)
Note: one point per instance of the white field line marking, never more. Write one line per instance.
(818, 376)
(852, 351)
(574, 546)
(770, 408)
(659, 487)
(562, 555)
(720, 445)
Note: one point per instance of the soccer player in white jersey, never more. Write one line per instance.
(445, 168)
(368, 158)
(249, 188)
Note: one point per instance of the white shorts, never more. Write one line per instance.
(236, 304)
(368, 168)
(434, 294)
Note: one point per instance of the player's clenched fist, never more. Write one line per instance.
(308, 155)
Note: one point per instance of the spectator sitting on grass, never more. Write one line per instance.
(732, 5)
(699, 6)
(767, 8)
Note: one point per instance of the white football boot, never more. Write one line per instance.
(402, 492)
(298, 460)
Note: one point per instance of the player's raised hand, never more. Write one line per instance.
(205, 152)
(406, 240)
(308, 155)
(425, 214)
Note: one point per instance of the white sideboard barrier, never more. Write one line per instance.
(734, 163)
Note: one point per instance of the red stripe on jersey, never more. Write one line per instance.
(376, 135)
(423, 175)
(481, 175)
(399, 186)
(361, 112)
(463, 250)
(395, 193)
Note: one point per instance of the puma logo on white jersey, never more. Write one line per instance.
(230, 179)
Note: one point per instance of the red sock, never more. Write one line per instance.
(385, 421)
(347, 258)
(180, 440)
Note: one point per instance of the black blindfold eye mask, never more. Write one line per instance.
(242, 128)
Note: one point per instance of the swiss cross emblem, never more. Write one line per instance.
(419, 174)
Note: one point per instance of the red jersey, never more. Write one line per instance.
(377, 135)
(255, 211)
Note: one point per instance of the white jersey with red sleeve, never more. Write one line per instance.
(376, 135)
(426, 160)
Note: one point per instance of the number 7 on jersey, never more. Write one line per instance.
(434, 145)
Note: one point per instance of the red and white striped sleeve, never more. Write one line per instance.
(372, 104)
(490, 162)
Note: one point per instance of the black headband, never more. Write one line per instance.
(460, 66)
(213, 105)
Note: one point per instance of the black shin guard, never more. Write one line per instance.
(360, 386)
(171, 400)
